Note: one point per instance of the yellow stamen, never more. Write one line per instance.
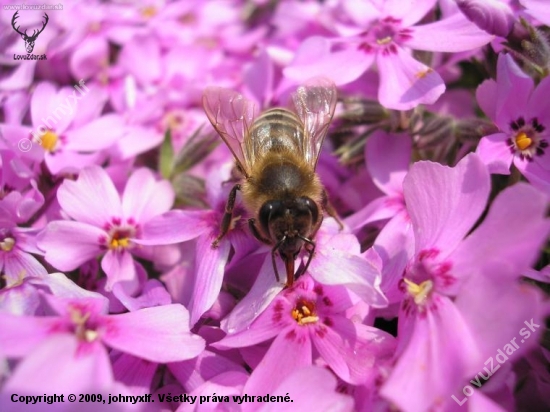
(123, 242)
(419, 292)
(90, 335)
(7, 244)
(77, 318)
(49, 140)
(423, 73)
(149, 11)
(304, 313)
(81, 331)
(384, 41)
(523, 141)
(18, 281)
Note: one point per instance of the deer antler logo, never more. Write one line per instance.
(29, 40)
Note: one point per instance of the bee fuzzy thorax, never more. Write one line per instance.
(280, 175)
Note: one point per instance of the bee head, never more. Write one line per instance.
(289, 219)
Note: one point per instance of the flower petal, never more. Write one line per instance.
(71, 360)
(262, 293)
(409, 12)
(92, 198)
(262, 329)
(333, 265)
(98, 134)
(287, 352)
(174, 226)
(136, 140)
(42, 102)
(495, 153)
(88, 58)
(440, 355)
(513, 306)
(485, 96)
(159, 334)
(318, 392)
(20, 335)
(68, 245)
(513, 90)
(388, 157)
(515, 229)
(452, 34)
(405, 82)
(348, 354)
(209, 271)
(144, 197)
(314, 58)
(444, 202)
(493, 16)
(537, 172)
(119, 267)
(538, 9)
(395, 246)
(18, 262)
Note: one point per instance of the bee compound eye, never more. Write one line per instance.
(268, 211)
(306, 202)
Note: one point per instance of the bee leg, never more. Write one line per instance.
(255, 232)
(228, 215)
(330, 209)
(310, 248)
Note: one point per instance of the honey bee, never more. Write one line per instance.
(276, 153)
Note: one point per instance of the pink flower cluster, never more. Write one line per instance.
(434, 295)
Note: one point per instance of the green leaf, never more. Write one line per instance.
(166, 156)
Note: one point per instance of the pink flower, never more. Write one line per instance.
(521, 112)
(493, 16)
(537, 9)
(74, 343)
(19, 195)
(304, 317)
(386, 33)
(117, 227)
(442, 338)
(17, 244)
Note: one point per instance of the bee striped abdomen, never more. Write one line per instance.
(276, 129)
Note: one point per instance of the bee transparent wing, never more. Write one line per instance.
(314, 103)
(231, 115)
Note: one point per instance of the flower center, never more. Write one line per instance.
(149, 11)
(80, 319)
(7, 244)
(427, 273)
(304, 312)
(526, 140)
(120, 239)
(120, 234)
(419, 292)
(49, 140)
(384, 35)
(523, 141)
